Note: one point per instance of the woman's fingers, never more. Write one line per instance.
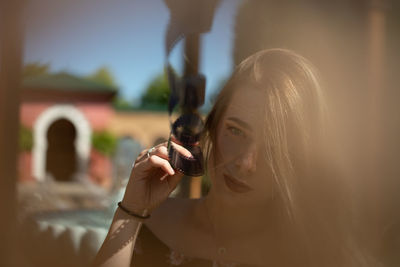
(174, 180)
(158, 157)
(182, 150)
(156, 161)
(161, 151)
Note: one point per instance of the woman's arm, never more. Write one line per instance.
(118, 245)
(152, 180)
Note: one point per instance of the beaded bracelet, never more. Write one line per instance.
(132, 213)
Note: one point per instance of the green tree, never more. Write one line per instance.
(35, 69)
(104, 76)
(157, 92)
(120, 103)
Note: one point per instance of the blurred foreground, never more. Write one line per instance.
(59, 183)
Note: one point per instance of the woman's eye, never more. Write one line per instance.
(236, 132)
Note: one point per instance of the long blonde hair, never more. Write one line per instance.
(295, 131)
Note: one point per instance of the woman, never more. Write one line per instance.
(274, 200)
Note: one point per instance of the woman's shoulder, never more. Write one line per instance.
(171, 212)
(162, 238)
(171, 220)
(151, 251)
(171, 207)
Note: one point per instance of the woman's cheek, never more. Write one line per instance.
(227, 146)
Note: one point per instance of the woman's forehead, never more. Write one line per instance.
(247, 105)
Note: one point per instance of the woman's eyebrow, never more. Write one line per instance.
(241, 123)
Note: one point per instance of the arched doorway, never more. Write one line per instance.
(61, 158)
(82, 143)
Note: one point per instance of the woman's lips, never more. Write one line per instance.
(236, 185)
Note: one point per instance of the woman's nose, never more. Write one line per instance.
(246, 162)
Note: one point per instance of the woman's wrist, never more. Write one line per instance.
(128, 206)
(142, 216)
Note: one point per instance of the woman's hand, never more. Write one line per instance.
(152, 179)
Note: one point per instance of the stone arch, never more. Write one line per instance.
(82, 141)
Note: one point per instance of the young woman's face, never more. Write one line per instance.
(240, 170)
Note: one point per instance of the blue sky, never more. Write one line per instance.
(80, 36)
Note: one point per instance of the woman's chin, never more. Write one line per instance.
(223, 193)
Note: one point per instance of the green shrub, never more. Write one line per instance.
(25, 139)
(104, 142)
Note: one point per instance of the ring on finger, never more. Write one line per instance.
(148, 153)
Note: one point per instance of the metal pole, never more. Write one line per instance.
(191, 67)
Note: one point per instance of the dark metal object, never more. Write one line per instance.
(189, 18)
(187, 131)
(192, 166)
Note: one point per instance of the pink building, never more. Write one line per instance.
(63, 111)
